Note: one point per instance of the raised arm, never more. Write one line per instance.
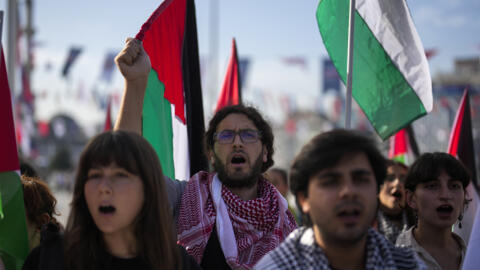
(134, 64)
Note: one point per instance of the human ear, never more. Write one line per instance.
(303, 201)
(411, 199)
(211, 157)
(265, 154)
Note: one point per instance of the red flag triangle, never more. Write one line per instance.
(460, 144)
(231, 92)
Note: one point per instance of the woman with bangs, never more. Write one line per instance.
(120, 215)
(436, 192)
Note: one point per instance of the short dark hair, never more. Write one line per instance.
(257, 119)
(325, 150)
(430, 165)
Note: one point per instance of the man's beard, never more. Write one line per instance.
(241, 182)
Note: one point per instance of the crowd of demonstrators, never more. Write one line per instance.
(120, 216)
(436, 192)
(125, 214)
(392, 217)
(336, 178)
(231, 217)
(279, 178)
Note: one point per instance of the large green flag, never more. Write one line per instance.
(391, 78)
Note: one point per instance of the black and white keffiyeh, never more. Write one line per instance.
(300, 251)
(389, 229)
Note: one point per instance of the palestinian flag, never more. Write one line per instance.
(231, 90)
(460, 144)
(391, 79)
(13, 229)
(403, 146)
(172, 109)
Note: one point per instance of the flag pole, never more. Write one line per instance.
(348, 105)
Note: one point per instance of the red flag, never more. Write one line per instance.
(108, 118)
(8, 145)
(231, 90)
(460, 144)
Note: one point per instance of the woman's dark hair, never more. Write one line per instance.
(430, 165)
(391, 163)
(38, 200)
(155, 240)
(255, 117)
(325, 151)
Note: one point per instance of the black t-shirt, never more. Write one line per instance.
(49, 255)
(112, 262)
(213, 257)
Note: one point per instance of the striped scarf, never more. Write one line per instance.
(246, 230)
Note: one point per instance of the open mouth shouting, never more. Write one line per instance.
(238, 160)
(397, 194)
(444, 211)
(106, 210)
(349, 216)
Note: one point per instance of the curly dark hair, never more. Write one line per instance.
(324, 151)
(257, 119)
(39, 200)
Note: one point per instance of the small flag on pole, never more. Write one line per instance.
(403, 146)
(108, 67)
(231, 89)
(73, 54)
(391, 78)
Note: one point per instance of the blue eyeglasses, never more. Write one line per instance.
(228, 136)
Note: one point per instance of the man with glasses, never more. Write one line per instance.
(392, 218)
(231, 217)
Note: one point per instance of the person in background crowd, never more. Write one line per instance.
(229, 218)
(436, 192)
(278, 177)
(336, 178)
(120, 215)
(27, 169)
(392, 217)
(40, 210)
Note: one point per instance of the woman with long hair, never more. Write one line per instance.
(435, 188)
(120, 216)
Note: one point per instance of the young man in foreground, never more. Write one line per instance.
(336, 178)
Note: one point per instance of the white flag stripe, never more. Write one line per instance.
(391, 24)
(181, 157)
